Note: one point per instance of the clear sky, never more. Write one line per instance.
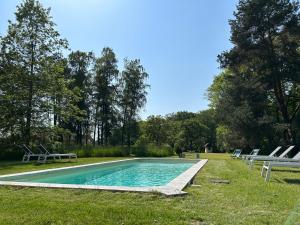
(177, 41)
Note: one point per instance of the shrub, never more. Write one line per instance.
(152, 151)
(10, 153)
(143, 150)
(116, 151)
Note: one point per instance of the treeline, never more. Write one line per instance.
(86, 100)
(80, 99)
(257, 97)
(182, 131)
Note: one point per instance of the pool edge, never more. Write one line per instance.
(173, 188)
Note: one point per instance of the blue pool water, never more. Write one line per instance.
(133, 173)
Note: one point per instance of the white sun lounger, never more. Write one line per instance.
(268, 165)
(47, 155)
(262, 157)
(236, 153)
(28, 154)
(270, 158)
(254, 152)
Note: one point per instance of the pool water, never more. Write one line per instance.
(132, 173)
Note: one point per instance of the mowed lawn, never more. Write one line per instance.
(247, 199)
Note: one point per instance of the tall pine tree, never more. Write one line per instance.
(266, 35)
(105, 94)
(31, 62)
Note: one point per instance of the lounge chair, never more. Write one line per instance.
(283, 156)
(45, 155)
(267, 167)
(254, 152)
(236, 153)
(28, 153)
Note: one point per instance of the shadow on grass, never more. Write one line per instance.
(9, 165)
(289, 171)
(292, 181)
(276, 180)
(286, 180)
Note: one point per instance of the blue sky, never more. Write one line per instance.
(177, 41)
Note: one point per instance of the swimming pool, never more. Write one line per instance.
(163, 175)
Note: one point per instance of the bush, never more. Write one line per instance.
(152, 151)
(142, 150)
(10, 153)
(116, 151)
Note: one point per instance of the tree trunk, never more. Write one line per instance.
(102, 133)
(122, 135)
(123, 131)
(55, 119)
(279, 94)
(94, 135)
(98, 136)
(128, 134)
(29, 113)
(129, 130)
(30, 95)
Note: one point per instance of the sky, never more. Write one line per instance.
(177, 41)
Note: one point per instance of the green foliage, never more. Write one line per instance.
(265, 64)
(115, 151)
(10, 153)
(152, 151)
(105, 94)
(217, 88)
(193, 135)
(85, 100)
(155, 129)
(223, 138)
(243, 113)
(133, 88)
(81, 99)
(78, 73)
(181, 131)
(31, 72)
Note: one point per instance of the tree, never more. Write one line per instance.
(133, 95)
(31, 63)
(193, 135)
(180, 116)
(190, 131)
(78, 72)
(156, 130)
(208, 119)
(241, 109)
(265, 35)
(105, 94)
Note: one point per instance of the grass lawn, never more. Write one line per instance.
(247, 199)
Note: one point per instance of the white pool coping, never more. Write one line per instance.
(174, 187)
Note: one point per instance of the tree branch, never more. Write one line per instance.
(295, 112)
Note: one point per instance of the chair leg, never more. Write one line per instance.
(251, 162)
(268, 173)
(263, 171)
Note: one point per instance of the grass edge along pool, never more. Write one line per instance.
(174, 187)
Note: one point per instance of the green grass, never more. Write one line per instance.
(246, 200)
